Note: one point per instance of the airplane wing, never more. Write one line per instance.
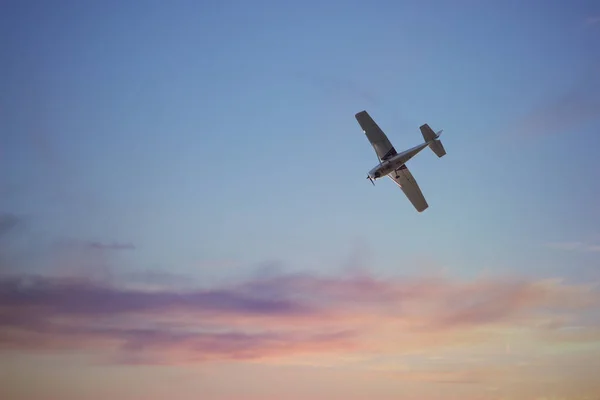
(410, 187)
(378, 139)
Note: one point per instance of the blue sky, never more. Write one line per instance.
(200, 143)
(206, 131)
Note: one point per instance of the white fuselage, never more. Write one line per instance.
(395, 162)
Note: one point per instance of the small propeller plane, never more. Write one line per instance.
(393, 164)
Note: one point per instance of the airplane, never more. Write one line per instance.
(393, 164)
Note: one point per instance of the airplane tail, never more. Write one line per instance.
(435, 144)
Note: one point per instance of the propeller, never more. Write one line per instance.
(369, 176)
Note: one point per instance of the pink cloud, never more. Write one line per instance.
(279, 316)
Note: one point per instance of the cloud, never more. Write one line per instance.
(575, 246)
(70, 257)
(111, 246)
(338, 86)
(8, 222)
(566, 112)
(456, 375)
(592, 20)
(281, 316)
(168, 346)
(60, 296)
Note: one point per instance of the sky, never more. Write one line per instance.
(184, 210)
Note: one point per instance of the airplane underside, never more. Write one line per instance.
(393, 164)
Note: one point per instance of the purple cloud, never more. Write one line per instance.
(59, 296)
(277, 315)
(111, 246)
(40, 314)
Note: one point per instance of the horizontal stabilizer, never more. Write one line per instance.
(438, 148)
(435, 144)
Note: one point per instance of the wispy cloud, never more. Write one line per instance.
(280, 316)
(444, 375)
(339, 86)
(593, 20)
(8, 222)
(111, 246)
(575, 246)
(564, 112)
